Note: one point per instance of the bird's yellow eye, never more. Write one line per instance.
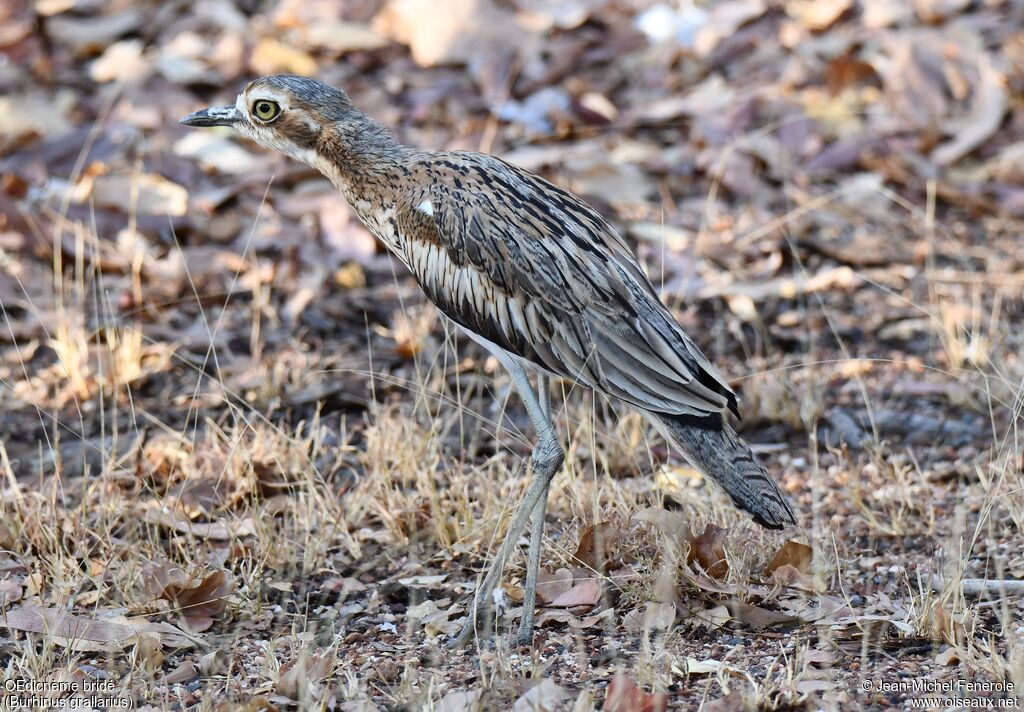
(266, 110)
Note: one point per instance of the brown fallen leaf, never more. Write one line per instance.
(945, 626)
(199, 600)
(624, 695)
(270, 56)
(461, 701)
(221, 531)
(300, 677)
(709, 551)
(757, 617)
(560, 615)
(253, 704)
(597, 546)
(551, 585)
(183, 673)
(989, 107)
(587, 594)
(547, 696)
(672, 525)
(794, 554)
(69, 630)
(653, 616)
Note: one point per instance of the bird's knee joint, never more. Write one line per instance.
(549, 455)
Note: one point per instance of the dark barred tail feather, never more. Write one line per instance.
(721, 455)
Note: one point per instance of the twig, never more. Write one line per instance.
(982, 587)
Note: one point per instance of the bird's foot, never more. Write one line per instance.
(524, 636)
(479, 625)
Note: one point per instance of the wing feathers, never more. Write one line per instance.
(532, 269)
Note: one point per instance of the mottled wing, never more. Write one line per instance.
(534, 270)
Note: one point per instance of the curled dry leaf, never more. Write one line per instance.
(624, 695)
(709, 551)
(198, 600)
(794, 554)
(597, 546)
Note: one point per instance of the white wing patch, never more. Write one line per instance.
(426, 207)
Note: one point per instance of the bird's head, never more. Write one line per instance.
(298, 116)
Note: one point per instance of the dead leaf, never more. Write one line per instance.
(587, 594)
(935, 11)
(86, 35)
(547, 696)
(757, 617)
(183, 673)
(723, 21)
(597, 545)
(672, 525)
(794, 554)
(456, 35)
(692, 666)
(69, 630)
(712, 618)
(271, 56)
(300, 678)
(560, 615)
(709, 551)
(461, 701)
(199, 600)
(989, 107)
(551, 585)
(143, 194)
(147, 649)
(817, 15)
(945, 626)
(220, 531)
(340, 37)
(624, 695)
(652, 616)
(819, 657)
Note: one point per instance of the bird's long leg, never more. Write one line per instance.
(546, 459)
(525, 634)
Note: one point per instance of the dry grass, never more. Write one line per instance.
(350, 537)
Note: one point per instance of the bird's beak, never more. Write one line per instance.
(214, 116)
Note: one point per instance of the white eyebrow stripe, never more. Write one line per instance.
(426, 207)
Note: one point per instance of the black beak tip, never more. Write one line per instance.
(214, 116)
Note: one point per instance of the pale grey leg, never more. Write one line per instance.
(525, 634)
(546, 460)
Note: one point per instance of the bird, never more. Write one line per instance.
(532, 273)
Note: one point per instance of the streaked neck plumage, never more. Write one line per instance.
(367, 166)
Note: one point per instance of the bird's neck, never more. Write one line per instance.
(367, 165)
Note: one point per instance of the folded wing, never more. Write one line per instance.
(551, 282)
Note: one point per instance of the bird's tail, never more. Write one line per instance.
(721, 455)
